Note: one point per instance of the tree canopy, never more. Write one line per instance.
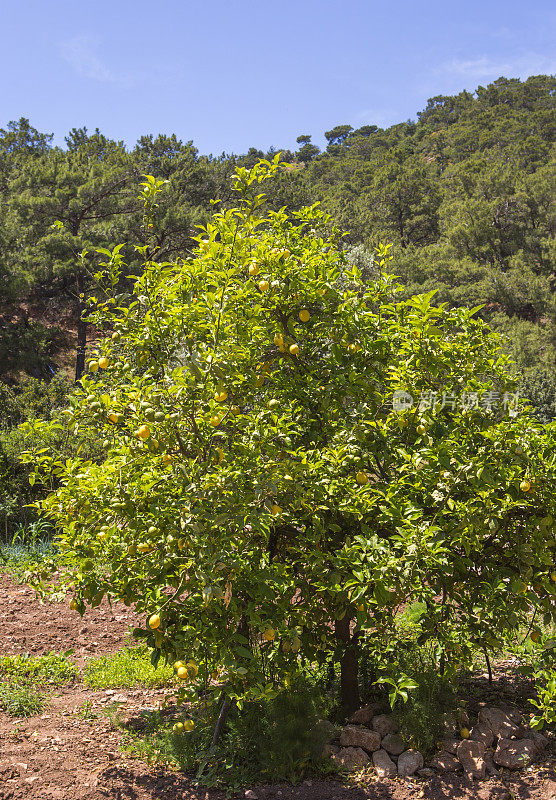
(292, 453)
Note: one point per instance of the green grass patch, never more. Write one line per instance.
(21, 700)
(126, 669)
(22, 677)
(52, 668)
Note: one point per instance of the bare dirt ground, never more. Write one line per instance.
(64, 755)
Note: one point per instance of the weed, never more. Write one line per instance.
(20, 700)
(85, 711)
(125, 669)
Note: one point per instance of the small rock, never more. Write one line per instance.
(383, 764)
(364, 715)
(453, 721)
(351, 758)
(502, 723)
(540, 740)
(482, 732)
(471, 755)
(489, 764)
(251, 795)
(450, 745)
(515, 753)
(409, 762)
(393, 744)
(426, 772)
(357, 736)
(445, 762)
(109, 691)
(384, 724)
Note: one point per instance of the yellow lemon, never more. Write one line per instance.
(178, 727)
(183, 673)
(304, 315)
(253, 269)
(166, 459)
(220, 396)
(188, 725)
(294, 349)
(264, 286)
(269, 634)
(143, 432)
(278, 339)
(73, 604)
(362, 478)
(93, 366)
(525, 486)
(215, 420)
(275, 509)
(178, 664)
(103, 362)
(421, 430)
(296, 644)
(154, 621)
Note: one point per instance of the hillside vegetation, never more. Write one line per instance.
(463, 194)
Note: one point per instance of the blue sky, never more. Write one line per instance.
(231, 74)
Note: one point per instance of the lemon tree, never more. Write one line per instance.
(262, 502)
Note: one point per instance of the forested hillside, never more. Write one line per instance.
(464, 194)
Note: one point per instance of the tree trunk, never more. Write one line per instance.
(81, 332)
(349, 685)
(220, 722)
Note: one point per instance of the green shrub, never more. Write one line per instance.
(421, 717)
(29, 407)
(545, 702)
(276, 739)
